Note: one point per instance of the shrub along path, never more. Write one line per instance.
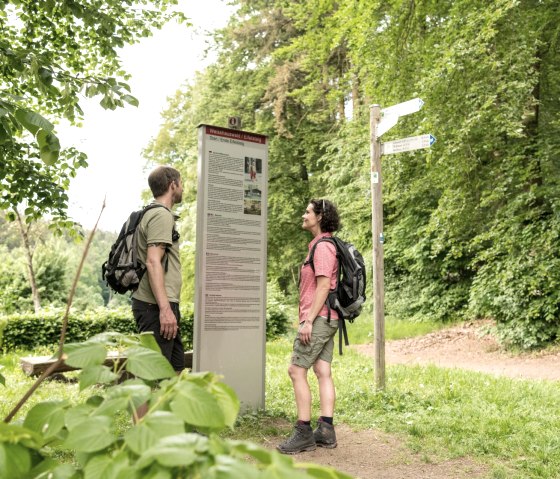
(372, 454)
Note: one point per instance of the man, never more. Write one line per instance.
(155, 304)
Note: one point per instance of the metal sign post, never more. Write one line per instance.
(382, 121)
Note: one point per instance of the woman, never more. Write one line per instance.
(314, 344)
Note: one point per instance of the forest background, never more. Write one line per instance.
(472, 225)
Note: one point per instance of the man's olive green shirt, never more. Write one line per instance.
(157, 227)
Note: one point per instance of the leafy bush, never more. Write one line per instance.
(177, 438)
(276, 313)
(28, 330)
(519, 284)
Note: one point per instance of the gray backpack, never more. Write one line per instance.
(349, 295)
(123, 270)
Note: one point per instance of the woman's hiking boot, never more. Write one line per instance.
(301, 440)
(324, 435)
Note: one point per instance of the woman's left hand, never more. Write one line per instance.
(305, 332)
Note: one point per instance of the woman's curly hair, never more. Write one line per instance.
(329, 215)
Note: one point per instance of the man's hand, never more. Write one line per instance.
(305, 332)
(168, 323)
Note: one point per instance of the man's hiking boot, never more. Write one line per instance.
(324, 435)
(300, 441)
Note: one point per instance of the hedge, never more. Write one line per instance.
(28, 330)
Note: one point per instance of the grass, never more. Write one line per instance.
(17, 384)
(361, 330)
(513, 425)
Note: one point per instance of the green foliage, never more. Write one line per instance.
(28, 331)
(469, 224)
(12, 282)
(277, 315)
(520, 285)
(176, 438)
(53, 53)
(56, 258)
(50, 264)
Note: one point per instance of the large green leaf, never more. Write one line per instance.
(148, 364)
(77, 415)
(149, 341)
(322, 472)
(130, 100)
(83, 355)
(96, 375)
(5, 133)
(198, 407)
(51, 469)
(109, 407)
(13, 433)
(49, 146)
(157, 472)
(135, 392)
(227, 467)
(46, 418)
(32, 121)
(151, 429)
(228, 402)
(173, 451)
(107, 467)
(90, 435)
(264, 456)
(15, 460)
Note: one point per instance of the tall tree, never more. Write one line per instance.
(470, 224)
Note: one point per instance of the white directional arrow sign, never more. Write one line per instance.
(391, 114)
(407, 144)
(404, 108)
(386, 123)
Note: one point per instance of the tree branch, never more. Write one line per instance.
(59, 353)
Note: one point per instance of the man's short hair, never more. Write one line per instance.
(160, 179)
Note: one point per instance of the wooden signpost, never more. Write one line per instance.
(382, 121)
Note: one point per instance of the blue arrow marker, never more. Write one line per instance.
(432, 140)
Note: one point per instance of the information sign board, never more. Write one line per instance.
(230, 274)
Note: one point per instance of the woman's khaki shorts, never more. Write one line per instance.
(321, 345)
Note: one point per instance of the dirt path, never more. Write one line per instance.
(372, 454)
(467, 347)
(376, 455)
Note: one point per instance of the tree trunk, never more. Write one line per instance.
(29, 254)
(356, 106)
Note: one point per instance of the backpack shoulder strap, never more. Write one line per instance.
(143, 211)
(329, 239)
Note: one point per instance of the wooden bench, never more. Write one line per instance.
(36, 365)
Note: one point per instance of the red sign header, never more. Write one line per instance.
(236, 134)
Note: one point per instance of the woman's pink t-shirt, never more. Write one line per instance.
(326, 264)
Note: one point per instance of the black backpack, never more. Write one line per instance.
(123, 271)
(349, 295)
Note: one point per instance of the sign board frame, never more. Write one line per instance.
(230, 271)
